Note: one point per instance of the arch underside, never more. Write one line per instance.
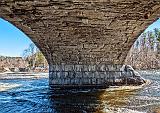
(82, 32)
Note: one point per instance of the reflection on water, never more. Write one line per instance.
(34, 96)
(117, 98)
(77, 102)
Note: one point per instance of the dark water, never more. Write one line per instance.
(34, 96)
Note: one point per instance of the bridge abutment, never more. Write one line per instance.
(83, 76)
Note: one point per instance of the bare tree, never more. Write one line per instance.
(34, 56)
(144, 54)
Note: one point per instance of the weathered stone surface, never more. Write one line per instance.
(95, 77)
(84, 32)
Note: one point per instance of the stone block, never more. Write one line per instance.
(79, 68)
(56, 68)
(92, 67)
(85, 68)
(66, 74)
(58, 75)
(69, 68)
(90, 74)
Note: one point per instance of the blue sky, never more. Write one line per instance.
(156, 24)
(13, 41)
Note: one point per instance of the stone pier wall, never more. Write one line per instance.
(84, 75)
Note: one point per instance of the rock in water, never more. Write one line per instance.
(130, 76)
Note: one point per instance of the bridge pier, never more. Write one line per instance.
(84, 76)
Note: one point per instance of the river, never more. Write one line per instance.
(20, 94)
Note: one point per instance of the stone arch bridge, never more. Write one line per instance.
(83, 40)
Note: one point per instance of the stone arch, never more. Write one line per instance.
(81, 32)
(49, 22)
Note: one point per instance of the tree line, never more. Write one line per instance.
(34, 57)
(145, 53)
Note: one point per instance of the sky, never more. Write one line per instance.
(13, 41)
(155, 24)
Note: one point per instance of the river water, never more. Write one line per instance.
(20, 94)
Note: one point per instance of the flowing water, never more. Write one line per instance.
(20, 94)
